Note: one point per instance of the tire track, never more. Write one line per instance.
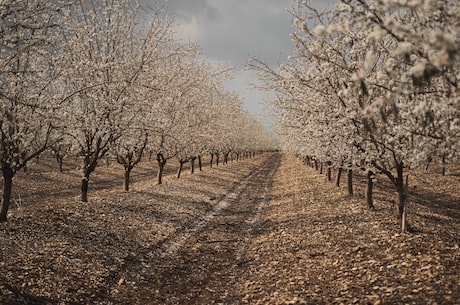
(172, 246)
(203, 265)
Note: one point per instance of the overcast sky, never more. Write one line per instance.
(230, 31)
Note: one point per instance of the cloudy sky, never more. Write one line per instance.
(230, 31)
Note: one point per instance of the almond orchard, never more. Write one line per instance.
(139, 178)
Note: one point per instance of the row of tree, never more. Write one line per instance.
(373, 84)
(100, 77)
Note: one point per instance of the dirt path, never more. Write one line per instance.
(203, 263)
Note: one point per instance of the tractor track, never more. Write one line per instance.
(202, 264)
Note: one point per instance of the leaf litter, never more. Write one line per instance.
(308, 243)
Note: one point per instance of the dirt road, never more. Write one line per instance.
(203, 263)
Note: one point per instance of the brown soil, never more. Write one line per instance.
(267, 230)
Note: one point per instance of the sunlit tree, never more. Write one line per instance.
(107, 49)
(372, 83)
(29, 74)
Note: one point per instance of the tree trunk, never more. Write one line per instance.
(316, 164)
(60, 161)
(192, 165)
(350, 181)
(443, 165)
(428, 162)
(321, 168)
(84, 189)
(339, 174)
(127, 173)
(161, 166)
(329, 174)
(179, 170)
(401, 197)
(370, 186)
(89, 166)
(226, 158)
(8, 175)
(200, 163)
(217, 159)
(212, 159)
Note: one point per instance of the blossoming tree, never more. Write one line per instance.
(28, 94)
(366, 88)
(107, 51)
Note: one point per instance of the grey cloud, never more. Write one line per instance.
(186, 10)
(229, 30)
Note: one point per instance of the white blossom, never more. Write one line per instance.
(320, 31)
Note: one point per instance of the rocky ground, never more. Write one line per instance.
(266, 230)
